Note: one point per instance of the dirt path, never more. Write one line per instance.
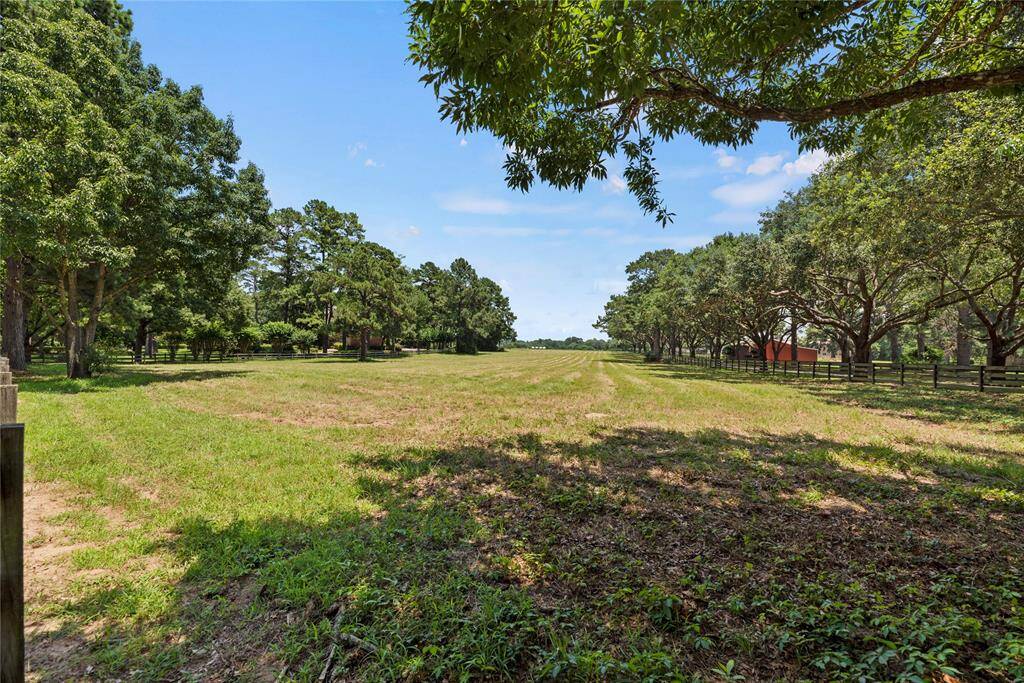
(51, 650)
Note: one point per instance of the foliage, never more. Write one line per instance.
(565, 86)
(881, 239)
(249, 338)
(278, 333)
(119, 177)
(206, 338)
(375, 286)
(304, 339)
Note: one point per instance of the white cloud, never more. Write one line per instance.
(473, 204)
(356, 149)
(463, 142)
(685, 172)
(370, 163)
(807, 163)
(614, 185)
(469, 203)
(413, 231)
(725, 160)
(764, 165)
(753, 192)
(499, 231)
(663, 238)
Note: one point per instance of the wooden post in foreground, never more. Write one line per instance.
(12, 588)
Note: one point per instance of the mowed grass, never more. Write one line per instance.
(520, 515)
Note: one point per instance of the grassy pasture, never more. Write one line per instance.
(520, 515)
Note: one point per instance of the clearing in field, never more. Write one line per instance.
(525, 514)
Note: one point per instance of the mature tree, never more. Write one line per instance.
(857, 259)
(289, 259)
(374, 289)
(755, 268)
(495, 318)
(330, 234)
(437, 327)
(566, 85)
(650, 302)
(112, 176)
(968, 183)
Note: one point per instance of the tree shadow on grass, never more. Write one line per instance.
(1003, 411)
(641, 554)
(118, 378)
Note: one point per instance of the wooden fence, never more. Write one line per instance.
(216, 357)
(12, 563)
(980, 377)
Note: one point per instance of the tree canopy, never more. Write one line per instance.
(885, 238)
(566, 85)
(128, 218)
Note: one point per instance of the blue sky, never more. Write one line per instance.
(327, 106)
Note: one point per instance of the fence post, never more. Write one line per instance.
(903, 370)
(981, 378)
(872, 373)
(798, 368)
(814, 370)
(829, 366)
(935, 375)
(12, 595)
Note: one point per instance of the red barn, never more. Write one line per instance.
(803, 353)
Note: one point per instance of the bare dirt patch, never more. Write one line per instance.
(51, 649)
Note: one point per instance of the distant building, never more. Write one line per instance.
(804, 354)
(353, 341)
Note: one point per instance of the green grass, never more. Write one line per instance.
(522, 515)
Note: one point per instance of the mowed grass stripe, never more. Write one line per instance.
(512, 514)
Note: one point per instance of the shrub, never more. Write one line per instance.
(249, 338)
(206, 337)
(100, 358)
(173, 340)
(279, 334)
(304, 339)
(930, 355)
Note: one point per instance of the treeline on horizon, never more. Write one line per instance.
(128, 221)
(888, 241)
(570, 344)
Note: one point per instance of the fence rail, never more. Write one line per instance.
(216, 357)
(980, 377)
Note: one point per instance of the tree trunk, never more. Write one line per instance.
(861, 351)
(77, 363)
(139, 345)
(964, 343)
(895, 349)
(12, 328)
(997, 354)
(364, 342)
(844, 349)
(328, 317)
(922, 348)
(793, 351)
